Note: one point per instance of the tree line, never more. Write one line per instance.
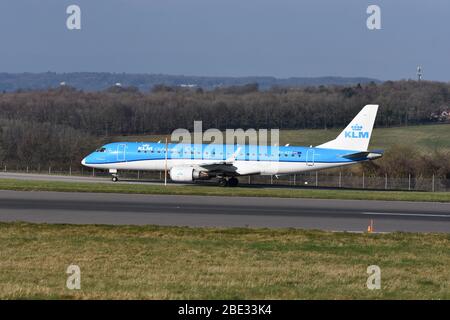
(59, 126)
(96, 81)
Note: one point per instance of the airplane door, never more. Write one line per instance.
(310, 157)
(121, 152)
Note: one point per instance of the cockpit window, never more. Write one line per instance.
(102, 149)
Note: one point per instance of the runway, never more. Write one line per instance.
(135, 209)
(68, 178)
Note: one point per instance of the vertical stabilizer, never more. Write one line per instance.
(356, 136)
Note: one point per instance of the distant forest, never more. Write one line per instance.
(96, 81)
(58, 126)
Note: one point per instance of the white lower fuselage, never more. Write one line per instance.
(241, 167)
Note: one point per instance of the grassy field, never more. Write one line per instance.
(125, 262)
(25, 185)
(426, 137)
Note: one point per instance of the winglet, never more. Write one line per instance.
(232, 158)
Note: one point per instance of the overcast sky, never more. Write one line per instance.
(282, 38)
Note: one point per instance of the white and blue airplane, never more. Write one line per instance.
(190, 162)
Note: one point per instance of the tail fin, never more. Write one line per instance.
(356, 135)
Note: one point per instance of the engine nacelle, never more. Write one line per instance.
(187, 174)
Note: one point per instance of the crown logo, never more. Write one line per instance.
(356, 127)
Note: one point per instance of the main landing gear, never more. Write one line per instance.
(230, 182)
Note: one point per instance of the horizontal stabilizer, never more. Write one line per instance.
(365, 154)
(355, 156)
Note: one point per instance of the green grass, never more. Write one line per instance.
(24, 185)
(149, 262)
(425, 137)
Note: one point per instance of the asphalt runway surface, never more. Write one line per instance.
(136, 209)
(67, 178)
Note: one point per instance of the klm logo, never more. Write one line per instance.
(144, 148)
(357, 133)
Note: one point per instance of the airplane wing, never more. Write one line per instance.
(229, 166)
(229, 161)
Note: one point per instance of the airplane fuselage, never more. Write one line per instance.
(248, 160)
(189, 162)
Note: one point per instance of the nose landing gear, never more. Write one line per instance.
(115, 176)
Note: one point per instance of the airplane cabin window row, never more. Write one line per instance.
(289, 154)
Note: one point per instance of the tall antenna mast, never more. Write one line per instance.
(419, 73)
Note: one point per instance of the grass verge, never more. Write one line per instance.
(137, 262)
(24, 185)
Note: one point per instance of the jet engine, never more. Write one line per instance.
(186, 174)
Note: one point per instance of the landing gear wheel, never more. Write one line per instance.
(223, 182)
(114, 179)
(233, 182)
